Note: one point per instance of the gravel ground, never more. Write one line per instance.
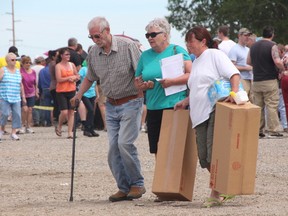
(35, 175)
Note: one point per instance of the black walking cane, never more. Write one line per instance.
(73, 148)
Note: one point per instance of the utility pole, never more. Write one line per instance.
(13, 24)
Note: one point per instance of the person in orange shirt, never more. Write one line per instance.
(66, 77)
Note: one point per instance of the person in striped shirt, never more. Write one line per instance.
(10, 95)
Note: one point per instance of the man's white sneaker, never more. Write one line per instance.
(14, 137)
(21, 131)
(29, 130)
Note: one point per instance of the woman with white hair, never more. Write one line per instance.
(10, 95)
(149, 68)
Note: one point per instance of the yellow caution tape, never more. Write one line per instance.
(43, 108)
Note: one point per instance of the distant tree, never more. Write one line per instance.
(252, 14)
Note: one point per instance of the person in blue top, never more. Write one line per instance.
(88, 99)
(45, 95)
(149, 68)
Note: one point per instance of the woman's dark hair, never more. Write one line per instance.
(200, 34)
(61, 51)
(52, 53)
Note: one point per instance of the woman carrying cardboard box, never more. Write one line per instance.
(210, 65)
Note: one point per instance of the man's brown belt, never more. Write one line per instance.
(120, 101)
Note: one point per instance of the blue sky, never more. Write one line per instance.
(44, 25)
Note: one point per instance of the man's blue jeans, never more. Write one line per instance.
(123, 123)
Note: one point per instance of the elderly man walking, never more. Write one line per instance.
(113, 61)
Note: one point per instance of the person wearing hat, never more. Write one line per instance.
(14, 50)
(238, 55)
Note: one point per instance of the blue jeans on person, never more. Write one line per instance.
(45, 100)
(282, 110)
(123, 122)
(5, 108)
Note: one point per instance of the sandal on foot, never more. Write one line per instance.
(226, 197)
(58, 133)
(211, 202)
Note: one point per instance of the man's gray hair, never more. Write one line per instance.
(98, 21)
(72, 42)
(160, 23)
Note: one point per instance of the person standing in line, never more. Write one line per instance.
(284, 90)
(44, 94)
(82, 53)
(281, 105)
(226, 44)
(11, 88)
(39, 64)
(53, 82)
(251, 40)
(31, 93)
(75, 58)
(101, 102)
(210, 65)
(265, 80)
(88, 99)
(113, 60)
(149, 68)
(66, 76)
(3, 63)
(238, 55)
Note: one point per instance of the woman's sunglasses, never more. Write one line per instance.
(152, 34)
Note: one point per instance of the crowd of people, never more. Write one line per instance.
(117, 75)
(44, 99)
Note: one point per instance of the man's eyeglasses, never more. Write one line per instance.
(96, 36)
(152, 34)
(28, 63)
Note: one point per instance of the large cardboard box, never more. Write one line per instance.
(235, 145)
(176, 161)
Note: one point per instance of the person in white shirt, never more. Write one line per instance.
(226, 44)
(210, 65)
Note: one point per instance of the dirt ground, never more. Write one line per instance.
(35, 176)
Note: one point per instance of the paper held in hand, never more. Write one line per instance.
(173, 67)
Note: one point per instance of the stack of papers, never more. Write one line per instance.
(173, 67)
